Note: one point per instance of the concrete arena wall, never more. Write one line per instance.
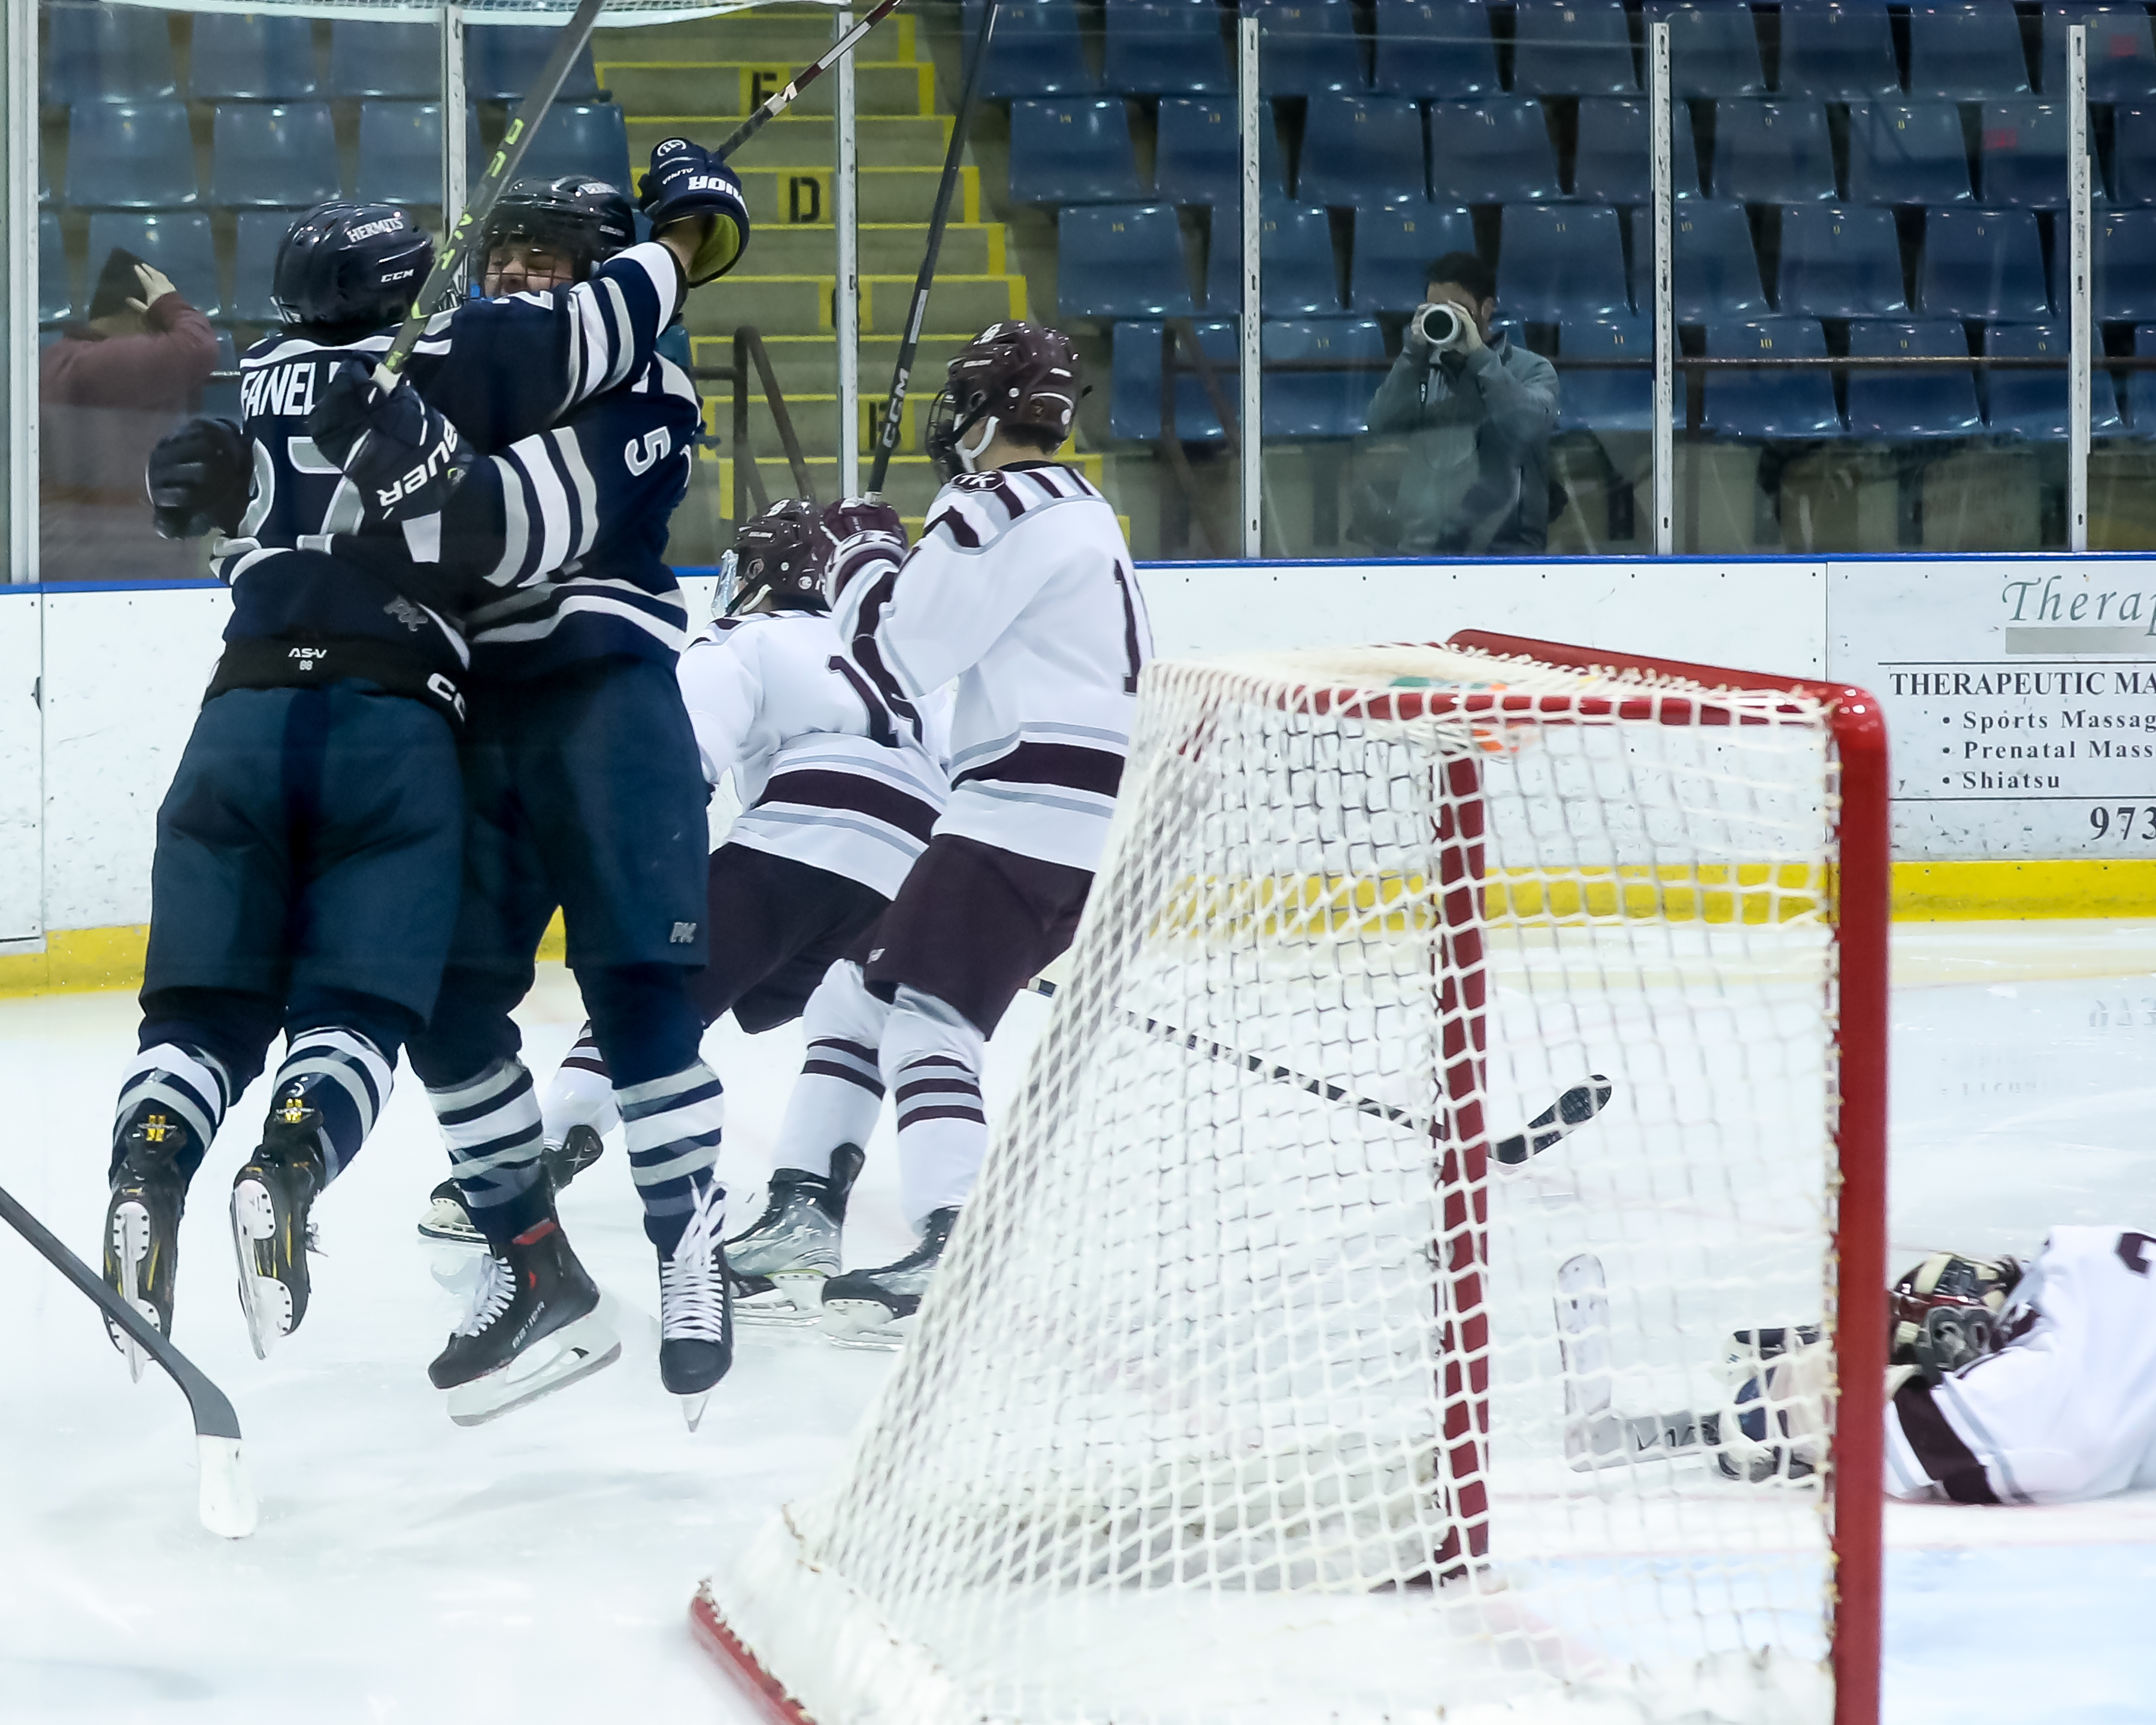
(2016, 689)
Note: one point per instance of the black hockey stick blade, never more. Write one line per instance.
(501, 166)
(1575, 1108)
(781, 99)
(910, 343)
(226, 1500)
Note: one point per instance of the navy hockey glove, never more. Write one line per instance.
(404, 457)
(687, 181)
(199, 477)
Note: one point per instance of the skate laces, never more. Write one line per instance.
(692, 1292)
(496, 1288)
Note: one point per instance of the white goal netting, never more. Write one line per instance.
(1280, 1370)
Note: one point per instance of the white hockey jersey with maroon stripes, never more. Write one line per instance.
(826, 773)
(1021, 589)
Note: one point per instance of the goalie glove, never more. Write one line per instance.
(404, 457)
(199, 478)
(685, 183)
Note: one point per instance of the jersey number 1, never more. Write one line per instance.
(879, 726)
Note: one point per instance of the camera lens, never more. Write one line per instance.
(1440, 325)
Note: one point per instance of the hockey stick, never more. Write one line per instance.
(1574, 1108)
(781, 99)
(910, 344)
(227, 1503)
(448, 259)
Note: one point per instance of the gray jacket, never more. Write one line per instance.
(1477, 475)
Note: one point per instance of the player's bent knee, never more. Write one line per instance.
(920, 1025)
(842, 1008)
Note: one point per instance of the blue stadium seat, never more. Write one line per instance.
(1294, 253)
(1361, 150)
(1121, 260)
(400, 151)
(55, 295)
(130, 156)
(2140, 386)
(2122, 272)
(281, 155)
(1066, 151)
(223, 400)
(1907, 153)
(1838, 51)
(254, 261)
(1769, 404)
(1612, 163)
(1966, 50)
(1910, 404)
(2032, 405)
(1435, 49)
(1714, 270)
(1983, 265)
(1839, 263)
(502, 60)
(107, 53)
(581, 138)
(1166, 47)
(1393, 246)
(393, 61)
(1606, 401)
(2122, 60)
(1134, 385)
(2022, 158)
(1773, 152)
(178, 243)
(1714, 48)
(1198, 157)
(1491, 152)
(1306, 46)
(1561, 261)
(251, 56)
(2133, 155)
(1038, 50)
(1573, 48)
(1310, 404)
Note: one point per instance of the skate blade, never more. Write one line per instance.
(692, 1407)
(449, 1225)
(866, 1325)
(792, 1304)
(575, 1351)
(130, 1239)
(266, 1301)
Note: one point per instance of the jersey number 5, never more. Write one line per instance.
(881, 731)
(641, 456)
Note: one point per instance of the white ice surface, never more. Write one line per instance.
(539, 1569)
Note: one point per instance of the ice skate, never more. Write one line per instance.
(535, 1326)
(142, 1227)
(779, 1265)
(445, 1218)
(695, 1309)
(874, 1309)
(271, 1232)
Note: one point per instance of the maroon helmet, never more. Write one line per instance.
(1015, 376)
(783, 553)
(1946, 1310)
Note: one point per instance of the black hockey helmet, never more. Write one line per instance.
(1021, 376)
(782, 554)
(343, 266)
(586, 219)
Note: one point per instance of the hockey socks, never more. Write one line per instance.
(581, 1093)
(840, 1092)
(931, 1059)
(490, 1124)
(672, 1126)
(172, 1083)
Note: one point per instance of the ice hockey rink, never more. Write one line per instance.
(539, 1568)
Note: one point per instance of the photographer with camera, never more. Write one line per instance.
(1479, 415)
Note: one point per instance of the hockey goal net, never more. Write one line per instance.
(1462, 1046)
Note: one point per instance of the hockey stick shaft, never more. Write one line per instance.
(780, 100)
(448, 257)
(1574, 1108)
(910, 343)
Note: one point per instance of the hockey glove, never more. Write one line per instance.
(687, 182)
(404, 457)
(199, 477)
(869, 536)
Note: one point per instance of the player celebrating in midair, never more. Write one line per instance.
(838, 799)
(1020, 590)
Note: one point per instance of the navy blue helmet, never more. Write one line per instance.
(585, 218)
(344, 265)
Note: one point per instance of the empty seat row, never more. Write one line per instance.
(142, 155)
(1557, 262)
(1827, 49)
(102, 53)
(1295, 404)
(178, 242)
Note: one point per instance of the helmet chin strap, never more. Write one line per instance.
(987, 424)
